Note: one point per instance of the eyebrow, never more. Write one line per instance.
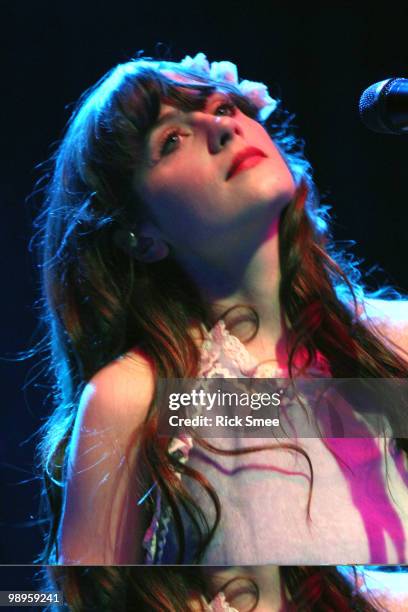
(167, 116)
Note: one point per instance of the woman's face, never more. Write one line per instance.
(197, 192)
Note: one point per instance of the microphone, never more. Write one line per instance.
(384, 106)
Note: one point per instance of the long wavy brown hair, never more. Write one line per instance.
(99, 303)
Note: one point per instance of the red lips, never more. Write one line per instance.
(241, 157)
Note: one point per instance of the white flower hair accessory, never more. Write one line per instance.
(226, 72)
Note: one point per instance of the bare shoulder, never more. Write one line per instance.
(119, 393)
(390, 319)
(106, 475)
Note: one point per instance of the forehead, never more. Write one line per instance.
(199, 96)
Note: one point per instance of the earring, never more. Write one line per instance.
(132, 244)
(135, 246)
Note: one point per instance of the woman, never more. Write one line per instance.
(170, 205)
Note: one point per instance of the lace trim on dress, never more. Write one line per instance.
(223, 355)
(156, 535)
(220, 343)
(218, 604)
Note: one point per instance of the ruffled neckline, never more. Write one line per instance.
(224, 355)
(218, 604)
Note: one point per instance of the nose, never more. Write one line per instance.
(219, 131)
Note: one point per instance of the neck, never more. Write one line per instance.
(250, 277)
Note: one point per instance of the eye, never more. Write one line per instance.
(226, 108)
(169, 142)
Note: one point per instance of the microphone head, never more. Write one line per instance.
(383, 107)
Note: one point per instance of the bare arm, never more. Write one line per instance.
(102, 523)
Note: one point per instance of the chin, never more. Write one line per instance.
(277, 184)
(278, 195)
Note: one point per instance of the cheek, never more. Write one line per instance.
(284, 177)
(172, 197)
(261, 137)
(182, 209)
(184, 192)
(280, 179)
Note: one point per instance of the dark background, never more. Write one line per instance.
(318, 60)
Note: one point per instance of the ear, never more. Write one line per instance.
(145, 244)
